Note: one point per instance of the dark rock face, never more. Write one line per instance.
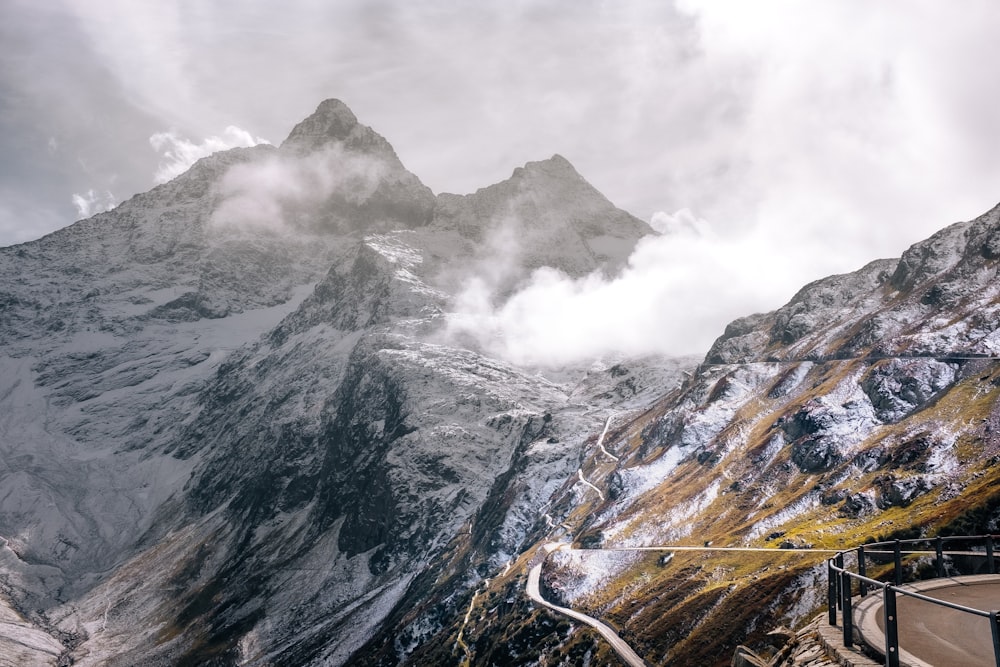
(990, 248)
(856, 506)
(893, 492)
(815, 454)
(813, 449)
(871, 459)
(900, 386)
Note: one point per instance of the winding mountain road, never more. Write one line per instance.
(600, 440)
(625, 651)
(617, 643)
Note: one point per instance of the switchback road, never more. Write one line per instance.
(617, 643)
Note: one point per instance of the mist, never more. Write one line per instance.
(280, 192)
(179, 153)
(678, 291)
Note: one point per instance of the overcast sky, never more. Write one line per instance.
(815, 135)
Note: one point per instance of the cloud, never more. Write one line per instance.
(831, 132)
(180, 153)
(676, 294)
(281, 192)
(93, 202)
(847, 137)
(681, 222)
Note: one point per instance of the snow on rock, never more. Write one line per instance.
(24, 645)
(901, 386)
(827, 430)
(578, 573)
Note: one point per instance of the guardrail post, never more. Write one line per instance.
(897, 560)
(848, 614)
(939, 557)
(996, 637)
(990, 565)
(831, 592)
(862, 585)
(839, 561)
(891, 630)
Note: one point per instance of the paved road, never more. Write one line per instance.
(771, 550)
(935, 636)
(617, 643)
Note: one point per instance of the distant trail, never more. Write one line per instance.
(874, 357)
(600, 440)
(459, 641)
(579, 473)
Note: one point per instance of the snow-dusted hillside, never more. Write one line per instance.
(867, 406)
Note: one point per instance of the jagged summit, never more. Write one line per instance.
(551, 213)
(555, 167)
(332, 122)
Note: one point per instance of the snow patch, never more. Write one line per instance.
(809, 502)
(583, 572)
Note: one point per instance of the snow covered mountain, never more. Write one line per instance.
(236, 429)
(231, 431)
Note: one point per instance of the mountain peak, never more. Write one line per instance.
(332, 121)
(555, 166)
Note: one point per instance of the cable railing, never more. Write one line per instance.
(841, 587)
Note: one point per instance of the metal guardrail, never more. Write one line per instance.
(840, 586)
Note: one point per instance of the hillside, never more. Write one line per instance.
(867, 406)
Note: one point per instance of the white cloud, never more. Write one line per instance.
(856, 130)
(180, 153)
(681, 222)
(93, 202)
(675, 296)
(262, 194)
(829, 132)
